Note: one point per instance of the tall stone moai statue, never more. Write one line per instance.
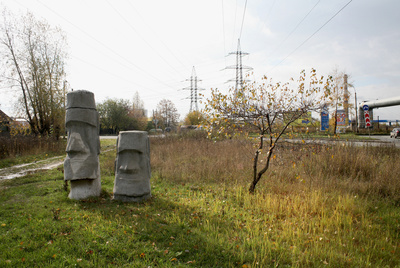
(81, 166)
(132, 167)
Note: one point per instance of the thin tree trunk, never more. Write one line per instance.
(272, 145)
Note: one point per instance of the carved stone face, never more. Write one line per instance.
(132, 166)
(83, 145)
(82, 166)
(83, 148)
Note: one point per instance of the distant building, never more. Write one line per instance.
(13, 126)
(20, 126)
(5, 121)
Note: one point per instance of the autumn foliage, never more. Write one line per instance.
(266, 109)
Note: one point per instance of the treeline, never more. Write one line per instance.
(120, 114)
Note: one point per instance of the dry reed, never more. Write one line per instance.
(12, 146)
(297, 167)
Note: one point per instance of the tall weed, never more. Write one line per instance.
(12, 146)
(364, 170)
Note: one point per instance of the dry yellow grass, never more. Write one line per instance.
(296, 167)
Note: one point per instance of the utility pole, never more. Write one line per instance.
(356, 108)
(346, 98)
(239, 69)
(193, 91)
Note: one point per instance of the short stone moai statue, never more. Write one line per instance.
(132, 167)
(81, 166)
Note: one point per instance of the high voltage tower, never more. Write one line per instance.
(193, 91)
(239, 68)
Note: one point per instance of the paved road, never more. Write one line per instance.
(381, 140)
(387, 138)
(108, 137)
(115, 137)
(378, 140)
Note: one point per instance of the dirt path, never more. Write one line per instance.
(24, 169)
(46, 164)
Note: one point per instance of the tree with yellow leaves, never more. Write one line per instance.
(267, 109)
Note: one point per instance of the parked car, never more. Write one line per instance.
(395, 133)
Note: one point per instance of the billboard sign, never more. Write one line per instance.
(324, 119)
(340, 118)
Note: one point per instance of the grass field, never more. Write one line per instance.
(334, 206)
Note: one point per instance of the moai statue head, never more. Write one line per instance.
(132, 167)
(81, 166)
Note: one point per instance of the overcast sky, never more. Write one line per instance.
(118, 47)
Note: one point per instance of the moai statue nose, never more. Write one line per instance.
(129, 162)
(76, 145)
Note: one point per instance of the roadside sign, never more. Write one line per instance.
(341, 118)
(367, 118)
(365, 107)
(324, 120)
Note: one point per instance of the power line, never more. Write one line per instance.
(295, 28)
(160, 39)
(311, 35)
(137, 32)
(105, 46)
(270, 10)
(244, 12)
(223, 26)
(110, 73)
(234, 23)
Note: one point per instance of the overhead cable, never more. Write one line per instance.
(244, 12)
(295, 28)
(311, 35)
(137, 32)
(105, 46)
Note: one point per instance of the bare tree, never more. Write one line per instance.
(267, 110)
(137, 102)
(138, 113)
(34, 56)
(168, 113)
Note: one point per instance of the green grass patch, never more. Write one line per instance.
(201, 214)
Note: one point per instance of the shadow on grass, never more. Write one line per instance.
(160, 231)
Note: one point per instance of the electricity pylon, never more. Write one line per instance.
(193, 91)
(239, 69)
